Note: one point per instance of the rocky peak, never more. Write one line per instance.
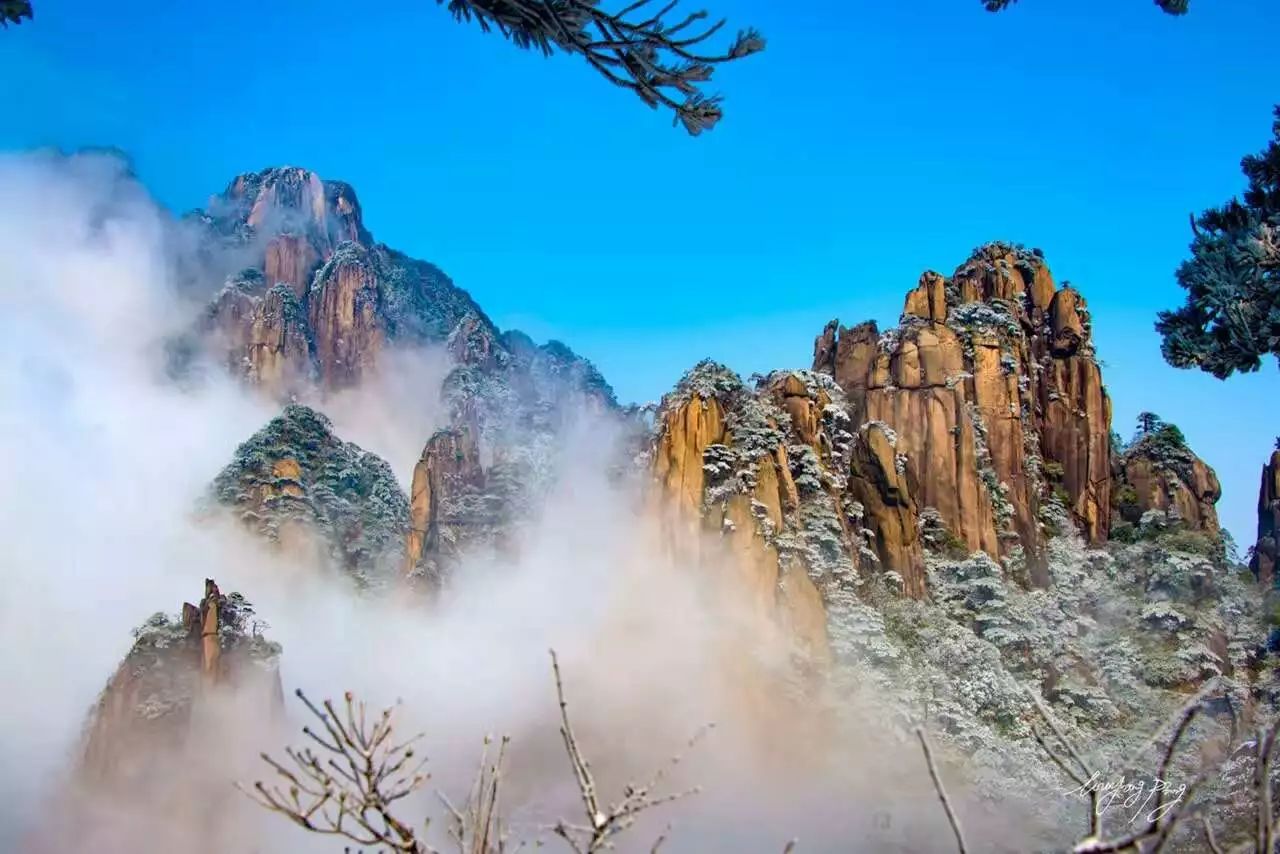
(149, 707)
(783, 465)
(316, 310)
(297, 484)
(290, 200)
(990, 382)
(509, 401)
(729, 498)
(315, 302)
(1265, 552)
(448, 507)
(354, 297)
(1158, 472)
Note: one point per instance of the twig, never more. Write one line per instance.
(942, 793)
(604, 823)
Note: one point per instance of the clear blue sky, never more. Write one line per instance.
(871, 141)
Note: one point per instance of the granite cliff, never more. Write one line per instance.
(311, 305)
(1266, 550)
(991, 383)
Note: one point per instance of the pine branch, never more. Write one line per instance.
(15, 12)
(640, 47)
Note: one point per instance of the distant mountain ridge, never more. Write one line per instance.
(314, 299)
(314, 305)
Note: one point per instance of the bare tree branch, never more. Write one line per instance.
(350, 792)
(603, 823)
(942, 793)
(1163, 819)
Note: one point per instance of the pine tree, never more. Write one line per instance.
(14, 11)
(1232, 315)
(1149, 422)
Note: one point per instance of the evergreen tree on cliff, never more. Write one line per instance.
(1231, 318)
(1148, 422)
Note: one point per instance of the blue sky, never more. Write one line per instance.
(871, 141)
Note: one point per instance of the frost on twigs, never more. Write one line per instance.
(352, 777)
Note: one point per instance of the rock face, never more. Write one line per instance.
(1265, 552)
(447, 479)
(315, 300)
(509, 402)
(314, 307)
(153, 701)
(730, 500)
(979, 424)
(295, 483)
(879, 483)
(1159, 472)
(991, 385)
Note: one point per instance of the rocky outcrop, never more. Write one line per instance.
(728, 498)
(151, 705)
(317, 309)
(262, 333)
(775, 487)
(1075, 414)
(1158, 472)
(1266, 551)
(287, 230)
(846, 353)
(290, 260)
(287, 227)
(992, 387)
(509, 402)
(297, 484)
(447, 482)
(878, 482)
(347, 323)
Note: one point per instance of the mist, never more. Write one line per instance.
(105, 458)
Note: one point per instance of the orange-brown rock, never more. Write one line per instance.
(290, 199)
(290, 259)
(1075, 433)
(1065, 325)
(929, 299)
(724, 504)
(263, 336)
(277, 355)
(449, 467)
(1159, 472)
(847, 353)
(346, 325)
(150, 705)
(1265, 552)
(805, 408)
(286, 229)
(990, 377)
(919, 390)
(687, 431)
(878, 482)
